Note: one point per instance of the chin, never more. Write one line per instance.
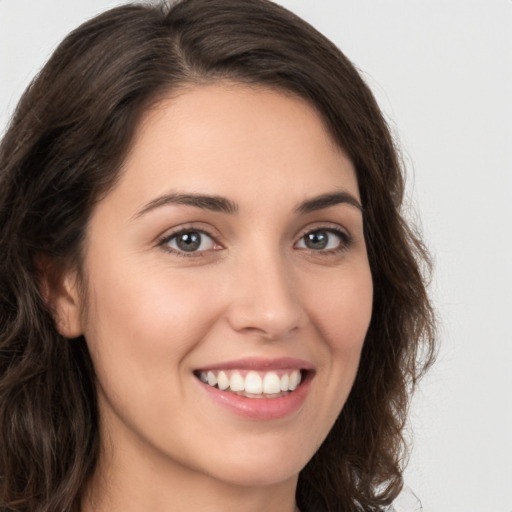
(261, 466)
(262, 476)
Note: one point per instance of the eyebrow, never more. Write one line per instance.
(223, 205)
(205, 202)
(327, 200)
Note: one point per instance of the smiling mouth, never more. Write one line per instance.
(253, 384)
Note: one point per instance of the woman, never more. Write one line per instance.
(209, 298)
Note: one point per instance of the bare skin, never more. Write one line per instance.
(276, 268)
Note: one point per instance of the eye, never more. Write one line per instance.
(189, 241)
(324, 240)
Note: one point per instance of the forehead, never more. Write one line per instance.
(231, 140)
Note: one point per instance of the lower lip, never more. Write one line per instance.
(261, 408)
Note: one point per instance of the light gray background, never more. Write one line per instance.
(442, 72)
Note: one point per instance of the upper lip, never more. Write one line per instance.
(261, 364)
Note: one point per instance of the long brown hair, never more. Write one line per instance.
(63, 151)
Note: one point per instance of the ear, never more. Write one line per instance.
(59, 290)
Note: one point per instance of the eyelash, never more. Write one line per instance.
(344, 244)
(183, 254)
(345, 240)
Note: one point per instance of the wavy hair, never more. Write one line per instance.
(63, 151)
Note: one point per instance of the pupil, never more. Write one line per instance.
(189, 241)
(317, 240)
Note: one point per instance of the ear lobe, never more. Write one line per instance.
(59, 290)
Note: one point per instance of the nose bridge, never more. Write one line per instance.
(265, 299)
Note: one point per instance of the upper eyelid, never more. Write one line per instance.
(340, 232)
(326, 226)
(167, 235)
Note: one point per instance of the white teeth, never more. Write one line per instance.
(271, 383)
(253, 383)
(236, 382)
(212, 380)
(285, 379)
(294, 380)
(222, 381)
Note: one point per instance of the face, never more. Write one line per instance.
(227, 265)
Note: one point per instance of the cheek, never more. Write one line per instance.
(145, 320)
(342, 309)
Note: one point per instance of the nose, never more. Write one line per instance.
(265, 299)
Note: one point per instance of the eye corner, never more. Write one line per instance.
(324, 240)
(194, 242)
